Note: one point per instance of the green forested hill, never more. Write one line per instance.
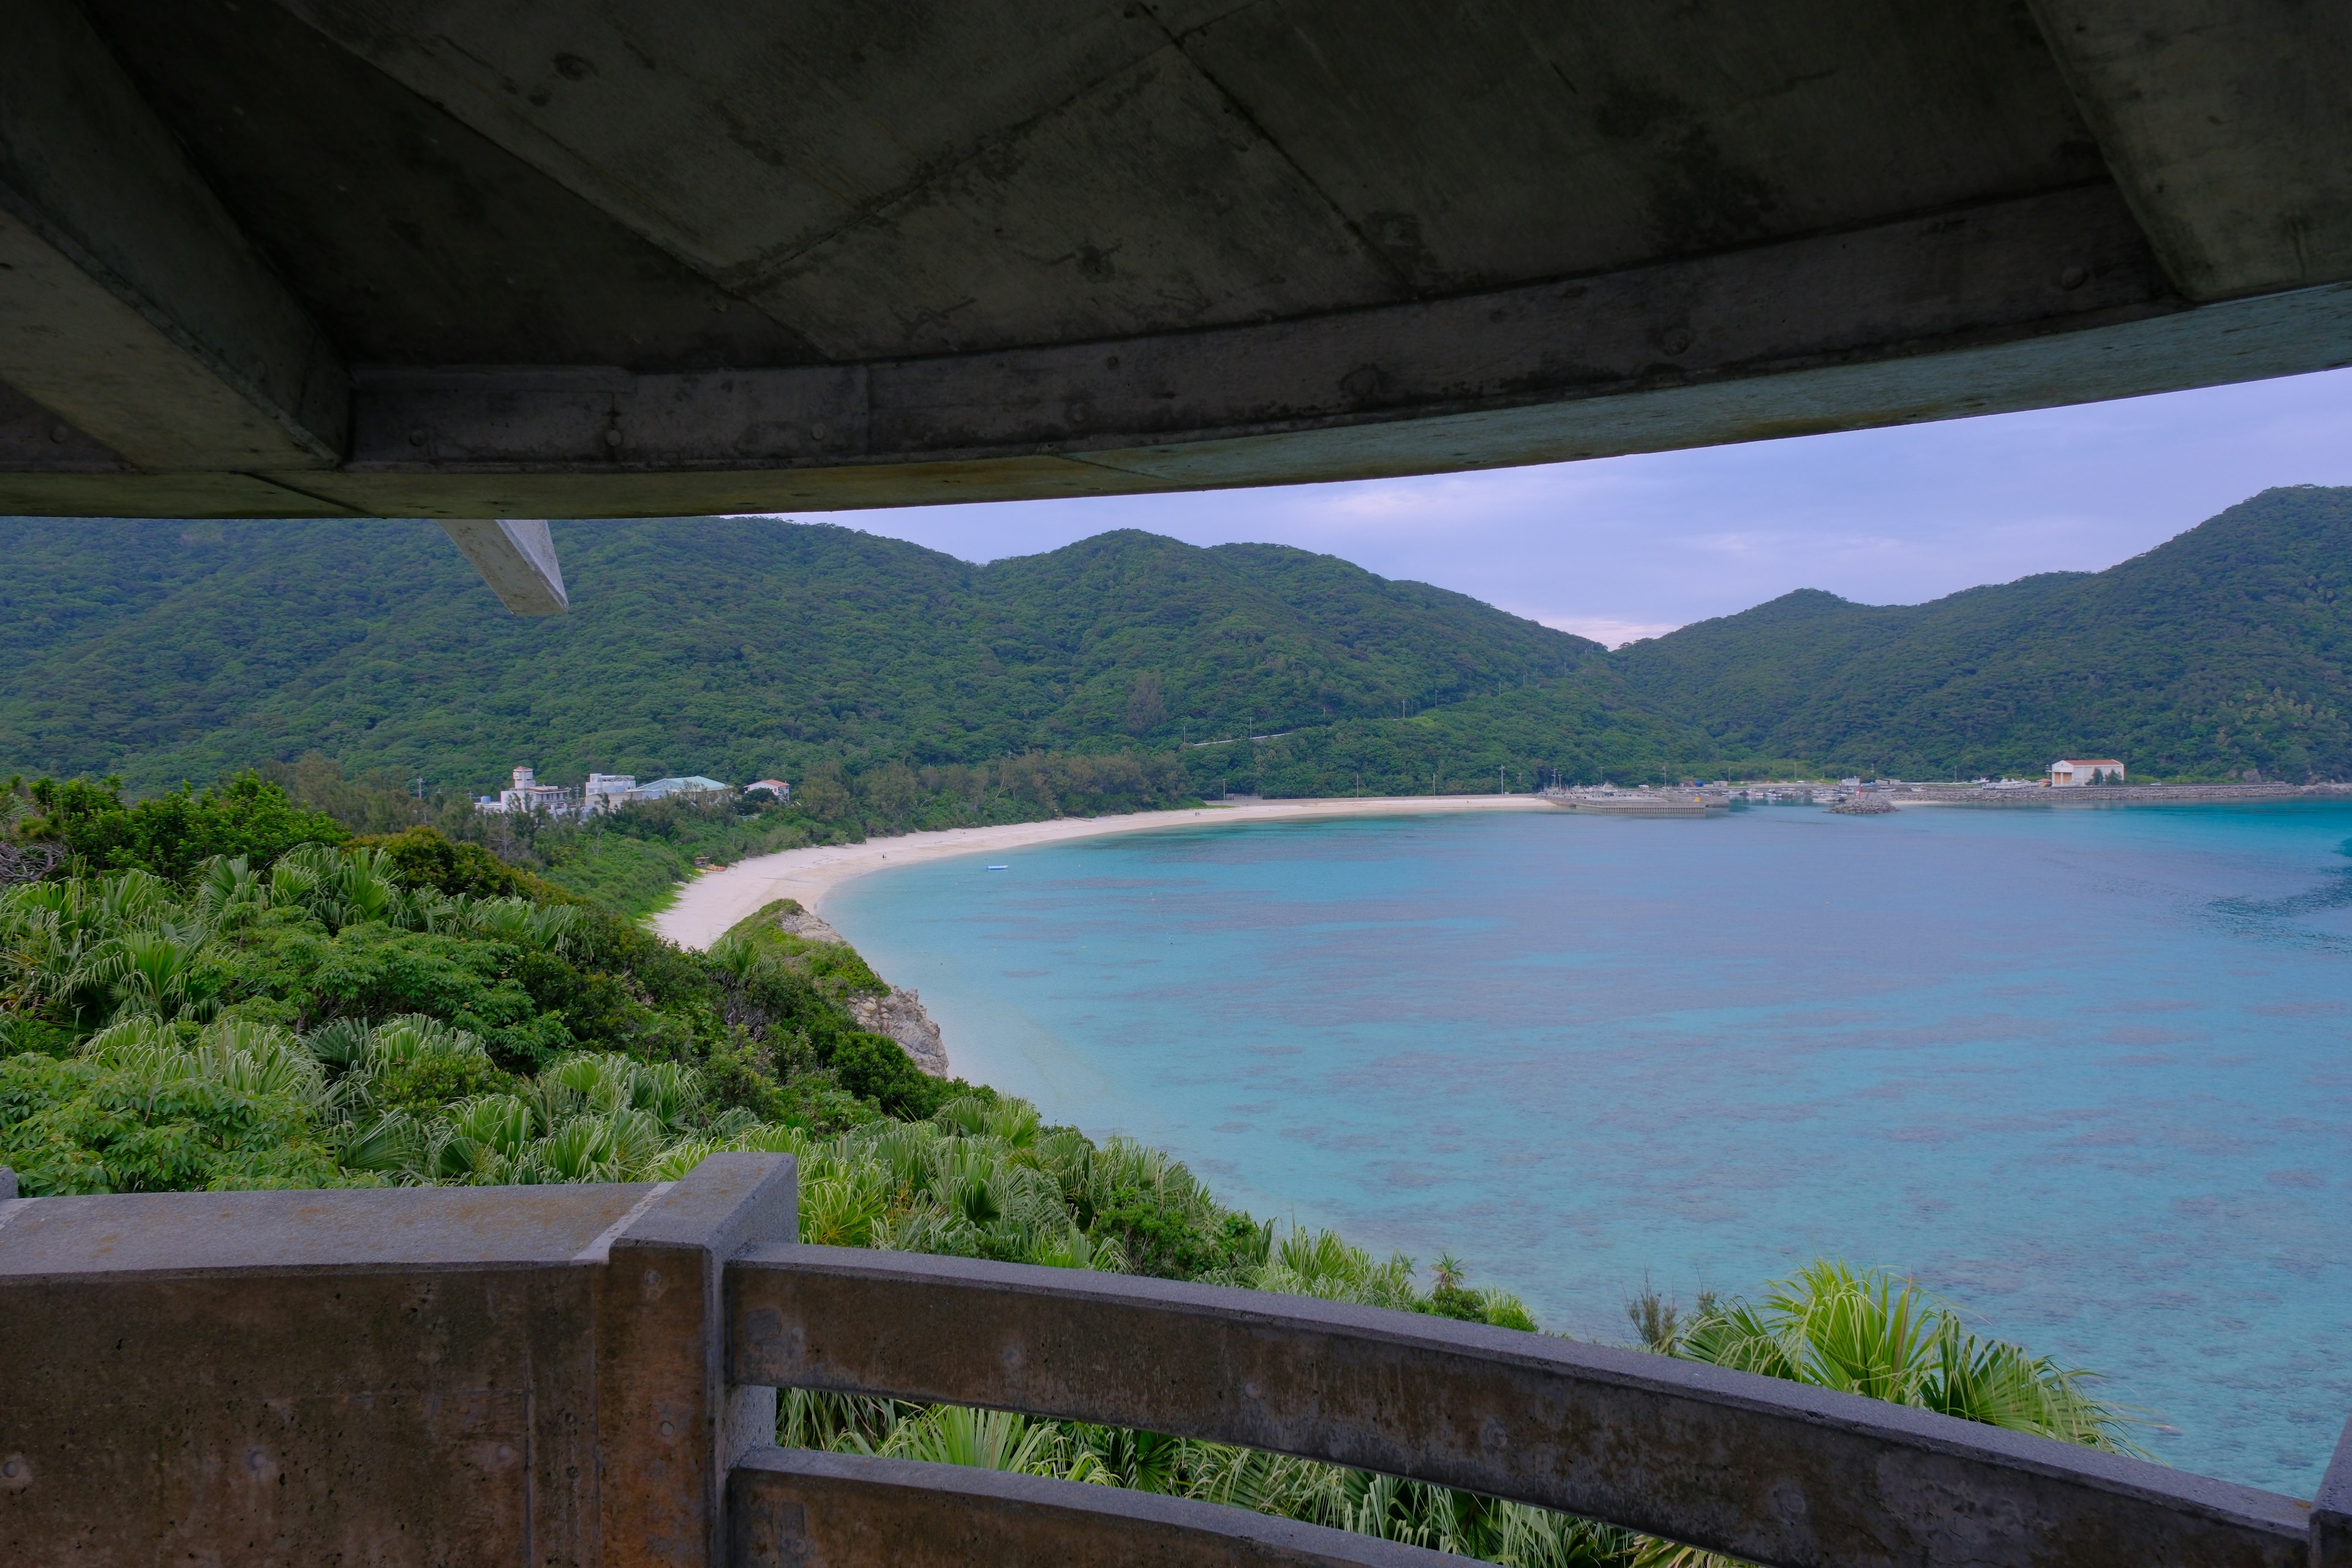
(2227, 648)
(742, 647)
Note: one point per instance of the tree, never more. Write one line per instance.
(1145, 709)
(826, 797)
(171, 835)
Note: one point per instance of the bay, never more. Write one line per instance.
(2082, 1071)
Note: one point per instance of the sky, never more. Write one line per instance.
(1621, 548)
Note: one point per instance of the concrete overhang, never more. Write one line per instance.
(426, 259)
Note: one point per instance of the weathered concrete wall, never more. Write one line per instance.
(524, 1375)
(584, 1376)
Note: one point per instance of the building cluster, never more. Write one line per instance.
(610, 792)
(527, 794)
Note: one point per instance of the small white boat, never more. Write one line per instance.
(1000, 868)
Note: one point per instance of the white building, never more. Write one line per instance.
(2068, 773)
(776, 787)
(692, 787)
(528, 794)
(605, 792)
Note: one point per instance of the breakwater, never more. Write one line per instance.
(1873, 799)
(2122, 794)
(1608, 802)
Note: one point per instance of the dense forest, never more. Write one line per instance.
(1124, 671)
(2225, 648)
(227, 989)
(740, 648)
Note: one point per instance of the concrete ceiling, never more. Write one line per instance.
(483, 258)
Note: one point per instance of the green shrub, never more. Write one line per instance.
(422, 857)
(171, 835)
(85, 1126)
(877, 1067)
(430, 1082)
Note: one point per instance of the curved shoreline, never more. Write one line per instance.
(706, 906)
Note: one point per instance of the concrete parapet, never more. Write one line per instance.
(425, 1376)
(584, 1376)
(2331, 1511)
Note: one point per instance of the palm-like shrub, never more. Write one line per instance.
(247, 1058)
(589, 1118)
(1319, 1263)
(157, 1106)
(69, 946)
(1871, 1333)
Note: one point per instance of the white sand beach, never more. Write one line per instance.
(715, 900)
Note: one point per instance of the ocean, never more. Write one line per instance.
(2084, 1072)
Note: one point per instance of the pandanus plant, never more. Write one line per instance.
(1873, 1333)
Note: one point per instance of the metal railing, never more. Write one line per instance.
(586, 1375)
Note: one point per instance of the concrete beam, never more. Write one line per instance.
(2226, 127)
(132, 307)
(2009, 270)
(790, 1506)
(515, 556)
(2019, 304)
(1771, 1472)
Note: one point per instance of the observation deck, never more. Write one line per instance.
(586, 1376)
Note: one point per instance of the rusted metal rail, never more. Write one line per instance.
(584, 1376)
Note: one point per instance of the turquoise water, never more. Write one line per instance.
(2084, 1071)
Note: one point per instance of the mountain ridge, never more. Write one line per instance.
(744, 646)
(729, 647)
(2225, 647)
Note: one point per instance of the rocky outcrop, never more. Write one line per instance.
(793, 918)
(900, 1015)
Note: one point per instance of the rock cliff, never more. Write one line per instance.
(897, 1013)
